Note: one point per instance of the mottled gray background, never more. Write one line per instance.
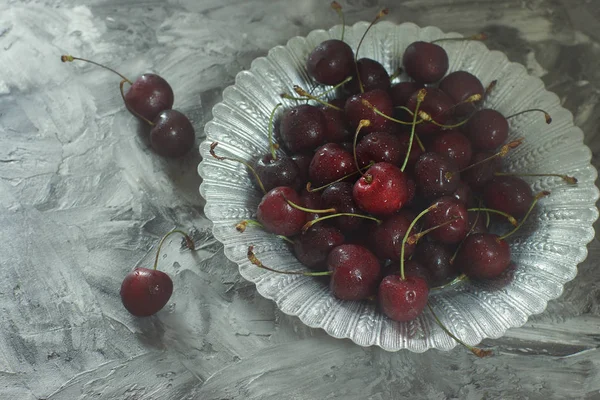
(82, 201)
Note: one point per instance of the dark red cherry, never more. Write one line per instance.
(336, 127)
(453, 144)
(172, 134)
(385, 239)
(372, 74)
(330, 163)
(313, 246)
(436, 175)
(401, 92)
(464, 194)
(302, 162)
(146, 291)
(483, 256)
(436, 257)
(302, 128)
(509, 194)
(415, 150)
(411, 268)
(448, 209)
(382, 190)
(331, 62)
(402, 300)
(356, 272)
(148, 96)
(282, 171)
(312, 201)
(339, 196)
(480, 174)
(379, 147)
(356, 111)
(425, 62)
(460, 85)
(277, 215)
(477, 222)
(487, 129)
(437, 104)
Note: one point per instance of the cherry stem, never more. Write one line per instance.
(426, 117)
(471, 228)
(69, 58)
(475, 350)
(188, 242)
(502, 153)
(396, 73)
(367, 104)
(127, 106)
(569, 179)
(338, 9)
(490, 87)
(310, 189)
(547, 116)
(413, 239)
(307, 95)
(270, 132)
(420, 97)
(407, 234)
(477, 37)
(333, 88)
(361, 124)
(533, 203)
(510, 218)
(421, 146)
(254, 260)
(242, 225)
(314, 221)
(460, 278)
(212, 153)
(379, 15)
(308, 210)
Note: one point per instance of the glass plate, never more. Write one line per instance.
(545, 251)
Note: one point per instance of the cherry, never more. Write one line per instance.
(486, 167)
(509, 194)
(436, 175)
(464, 194)
(415, 151)
(483, 256)
(339, 196)
(302, 161)
(448, 209)
(302, 128)
(372, 76)
(356, 110)
(336, 127)
(313, 246)
(460, 85)
(401, 92)
(382, 190)
(312, 200)
(402, 299)
(425, 62)
(277, 215)
(477, 222)
(411, 268)
(330, 163)
(331, 62)
(282, 171)
(355, 272)
(385, 239)
(487, 129)
(436, 258)
(453, 144)
(146, 291)
(172, 134)
(146, 98)
(379, 147)
(437, 104)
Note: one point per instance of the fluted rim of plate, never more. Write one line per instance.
(582, 243)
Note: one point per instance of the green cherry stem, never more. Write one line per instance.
(475, 350)
(547, 116)
(127, 106)
(361, 124)
(367, 104)
(310, 189)
(414, 238)
(509, 217)
(502, 153)
(212, 153)
(271, 145)
(254, 260)
(407, 234)
(188, 242)
(314, 221)
(571, 180)
(69, 58)
(460, 278)
(533, 203)
(307, 95)
(379, 15)
(242, 225)
(308, 210)
(420, 97)
(338, 9)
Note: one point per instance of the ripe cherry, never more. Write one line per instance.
(453, 144)
(302, 128)
(425, 62)
(356, 111)
(483, 256)
(145, 291)
(313, 246)
(277, 215)
(402, 299)
(436, 175)
(487, 129)
(355, 272)
(509, 194)
(331, 62)
(379, 147)
(436, 257)
(330, 163)
(437, 104)
(339, 196)
(448, 209)
(460, 85)
(172, 134)
(382, 190)
(282, 171)
(385, 239)
(372, 76)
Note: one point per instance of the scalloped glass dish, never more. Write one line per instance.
(545, 251)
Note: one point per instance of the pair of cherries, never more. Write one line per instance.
(150, 98)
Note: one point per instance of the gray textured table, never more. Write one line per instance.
(82, 201)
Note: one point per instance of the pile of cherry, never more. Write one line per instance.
(389, 189)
